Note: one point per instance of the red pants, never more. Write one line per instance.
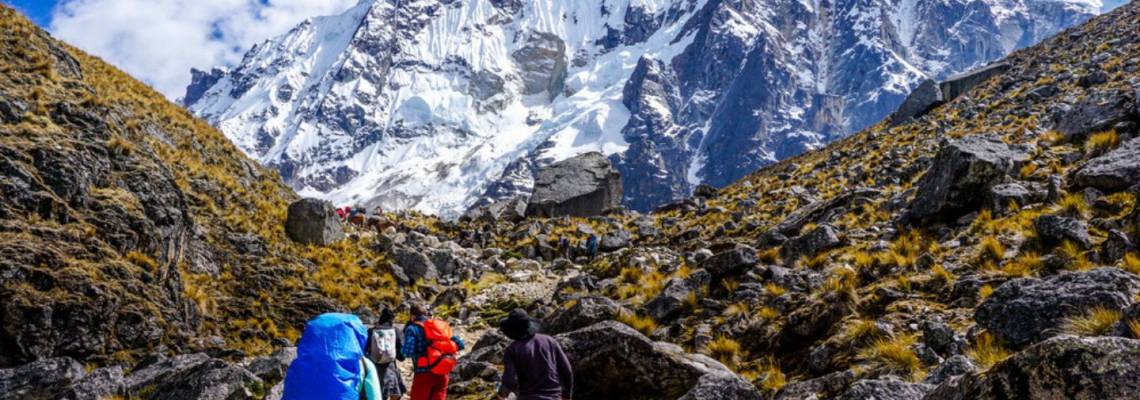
(428, 386)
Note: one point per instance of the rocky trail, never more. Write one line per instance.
(981, 244)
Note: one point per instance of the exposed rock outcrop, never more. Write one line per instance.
(962, 171)
(581, 186)
(1117, 170)
(1027, 310)
(313, 221)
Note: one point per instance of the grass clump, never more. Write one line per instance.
(1026, 264)
(1102, 142)
(990, 249)
(1073, 205)
(987, 351)
(773, 377)
(1134, 328)
(642, 323)
(1074, 257)
(726, 350)
(774, 289)
(1096, 321)
(895, 355)
(985, 292)
(1131, 263)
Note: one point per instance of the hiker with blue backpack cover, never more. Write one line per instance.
(331, 362)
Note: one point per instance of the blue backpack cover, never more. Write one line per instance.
(328, 359)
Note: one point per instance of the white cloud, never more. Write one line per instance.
(158, 41)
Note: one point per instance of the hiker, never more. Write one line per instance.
(479, 238)
(432, 348)
(384, 342)
(340, 212)
(330, 362)
(564, 247)
(535, 368)
(592, 246)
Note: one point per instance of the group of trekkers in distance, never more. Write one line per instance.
(359, 217)
(337, 358)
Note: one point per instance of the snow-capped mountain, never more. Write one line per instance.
(437, 104)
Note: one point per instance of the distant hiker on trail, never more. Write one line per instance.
(330, 362)
(479, 238)
(432, 348)
(535, 368)
(340, 212)
(384, 342)
(564, 247)
(592, 246)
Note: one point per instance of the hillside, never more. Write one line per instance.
(984, 250)
(128, 228)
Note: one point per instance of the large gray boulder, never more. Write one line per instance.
(1065, 367)
(586, 311)
(810, 243)
(1055, 229)
(732, 261)
(883, 389)
(42, 379)
(1028, 310)
(191, 377)
(671, 301)
(415, 264)
(313, 221)
(922, 99)
(1097, 110)
(722, 386)
(582, 186)
(510, 210)
(613, 361)
(1117, 170)
(960, 175)
(960, 83)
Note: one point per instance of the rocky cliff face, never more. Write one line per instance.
(434, 105)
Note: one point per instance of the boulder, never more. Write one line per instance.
(586, 311)
(1098, 110)
(677, 291)
(722, 386)
(1117, 170)
(489, 347)
(415, 265)
(883, 389)
(191, 377)
(923, 98)
(1065, 367)
(41, 379)
(705, 191)
(614, 240)
(313, 221)
(272, 368)
(809, 244)
(824, 387)
(582, 186)
(1028, 310)
(960, 83)
(729, 262)
(1055, 229)
(613, 361)
(510, 210)
(954, 366)
(961, 171)
(99, 384)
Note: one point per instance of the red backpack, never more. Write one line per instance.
(439, 358)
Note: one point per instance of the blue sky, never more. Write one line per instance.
(38, 10)
(159, 41)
